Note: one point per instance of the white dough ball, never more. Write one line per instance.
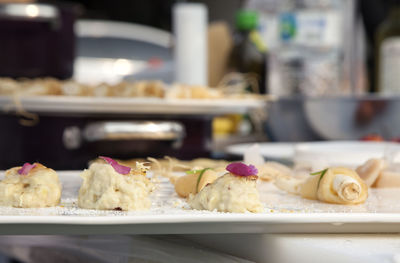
(39, 188)
(105, 189)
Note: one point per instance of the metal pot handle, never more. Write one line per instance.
(121, 30)
(124, 130)
(31, 11)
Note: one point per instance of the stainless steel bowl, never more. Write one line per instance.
(333, 118)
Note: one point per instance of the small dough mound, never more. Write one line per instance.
(388, 179)
(39, 188)
(229, 193)
(271, 170)
(105, 189)
(192, 184)
(370, 170)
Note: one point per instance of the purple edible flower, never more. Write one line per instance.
(242, 169)
(121, 169)
(25, 169)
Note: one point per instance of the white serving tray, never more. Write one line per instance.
(113, 105)
(170, 214)
(332, 153)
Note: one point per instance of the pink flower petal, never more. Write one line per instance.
(121, 169)
(25, 169)
(242, 169)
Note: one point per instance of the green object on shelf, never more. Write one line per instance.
(246, 19)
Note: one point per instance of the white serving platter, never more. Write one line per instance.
(113, 105)
(284, 213)
(272, 150)
(338, 153)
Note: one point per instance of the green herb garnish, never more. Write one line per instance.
(322, 173)
(199, 178)
(320, 178)
(194, 171)
(319, 172)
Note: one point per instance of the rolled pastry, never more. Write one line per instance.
(194, 182)
(370, 170)
(334, 185)
(270, 170)
(388, 179)
(375, 173)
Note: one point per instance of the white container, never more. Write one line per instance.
(190, 54)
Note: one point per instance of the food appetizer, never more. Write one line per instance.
(170, 164)
(193, 182)
(32, 185)
(112, 186)
(270, 170)
(333, 185)
(375, 173)
(267, 171)
(387, 179)
(180, 91)
(135, 89)
(370, 170)
(233, 192)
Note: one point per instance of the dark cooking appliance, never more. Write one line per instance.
(69, 142)
(37, 40)
(71, 131)
(66, 132)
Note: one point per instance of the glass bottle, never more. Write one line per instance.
(249, 51)
(388, 53)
